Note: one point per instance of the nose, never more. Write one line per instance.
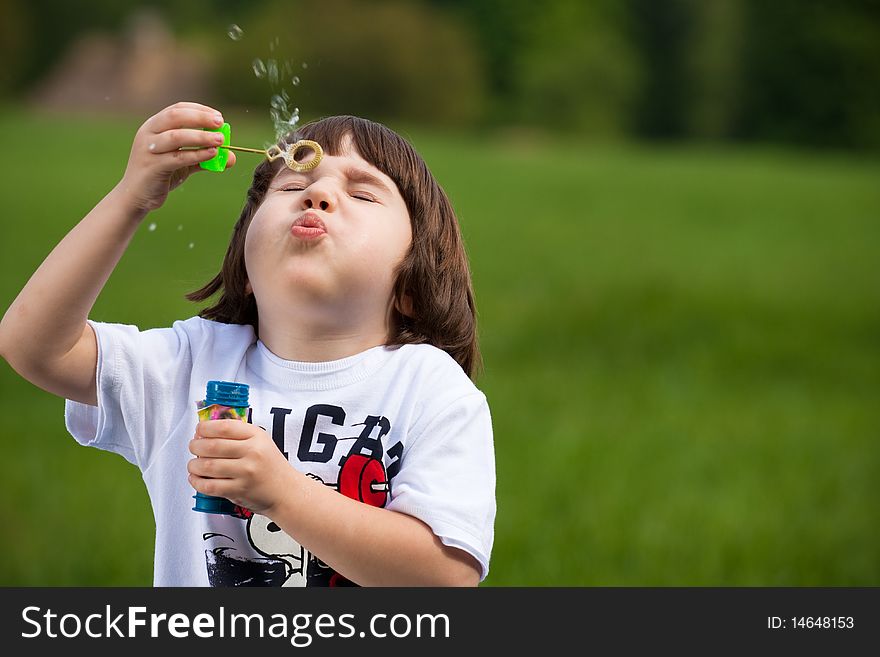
(318, 196)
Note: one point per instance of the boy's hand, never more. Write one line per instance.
(157, 164)
(240, 462)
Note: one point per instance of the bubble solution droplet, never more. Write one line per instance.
(151, 227)
(295, 80)
(192, 244)
(259, 68)
(235, 32)
(180, 227)
(152, 147)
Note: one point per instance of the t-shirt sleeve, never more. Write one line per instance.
(139, 378)
(447, 477)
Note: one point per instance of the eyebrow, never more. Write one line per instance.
(353, 174)
(356, 175)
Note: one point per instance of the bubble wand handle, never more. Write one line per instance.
(246, 150)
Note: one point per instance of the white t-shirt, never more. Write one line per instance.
(399, 427)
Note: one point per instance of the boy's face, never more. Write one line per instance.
(328, 239)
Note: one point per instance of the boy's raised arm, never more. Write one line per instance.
(44, 335)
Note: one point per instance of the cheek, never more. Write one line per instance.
(398, 233)
(402, 250)
(248, 251)
(252, 247)
(404, 240)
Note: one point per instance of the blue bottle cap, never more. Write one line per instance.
(226, 393)
(211, 504)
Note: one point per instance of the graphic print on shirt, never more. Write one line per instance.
(362, 476)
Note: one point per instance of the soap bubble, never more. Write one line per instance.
(235, 32)
(152, 227)
(192, 245)
(273, 71)
(279, 73)
(278, 103)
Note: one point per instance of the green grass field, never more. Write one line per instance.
(681, 345)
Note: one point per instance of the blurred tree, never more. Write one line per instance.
(387, 59)
(577, 70)
(661, 31)
(14, 32)
(812, 72)
(503, 29)
(563, 64)
(713, 68)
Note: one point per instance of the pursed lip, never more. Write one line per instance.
(308, 226)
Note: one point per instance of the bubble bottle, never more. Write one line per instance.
(224, 400)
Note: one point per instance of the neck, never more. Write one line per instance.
(315, 342)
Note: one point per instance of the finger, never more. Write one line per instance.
(208, 486)
(172, 140)
(195, 168)
(191, 105)
(186, 158)
(218, 448)
(212, 468)
(183, 117)
(234, 429)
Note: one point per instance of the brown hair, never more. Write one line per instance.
(434, 274)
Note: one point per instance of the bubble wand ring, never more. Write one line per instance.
(289, 155)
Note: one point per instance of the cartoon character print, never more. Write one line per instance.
(362, 477)
(268, 539)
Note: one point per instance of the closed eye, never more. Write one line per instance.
(364, 197)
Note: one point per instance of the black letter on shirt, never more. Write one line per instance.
(279, 416)
(395, 453)
(373, 446)
(328, 440)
